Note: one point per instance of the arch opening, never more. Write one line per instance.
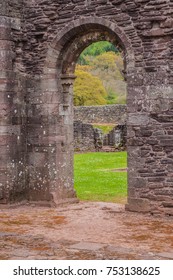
(60, 70)
(100, 157)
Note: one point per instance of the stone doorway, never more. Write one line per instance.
(40, 44)
(58, 80)
(100, 129)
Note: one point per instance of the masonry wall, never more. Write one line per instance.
(84, 137)
(12, 107)
(117, 137)
(114, 114)
(40, 55)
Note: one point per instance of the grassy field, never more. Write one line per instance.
(97, 179)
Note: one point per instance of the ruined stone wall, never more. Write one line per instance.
(146, 24)
(85, 134)
(84, 137)
(117, 137)
(12, 105)
(89, 138)
(42, 56)
(115, 114)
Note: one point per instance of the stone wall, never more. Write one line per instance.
(89, 138)
(40, 43)
(117, 137)
(13, 185)
(84, 137)
(114, 114)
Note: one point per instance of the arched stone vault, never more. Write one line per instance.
(40, 42)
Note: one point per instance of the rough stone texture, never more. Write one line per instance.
(84, 137)
(12, 107)
(114, 114)
(40, 42)
(89, 138)
(117, 137)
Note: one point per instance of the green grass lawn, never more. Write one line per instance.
(96, 179)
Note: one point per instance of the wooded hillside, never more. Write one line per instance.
(99, 76)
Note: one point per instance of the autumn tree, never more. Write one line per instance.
(108, 68)
(102, 60)
(88, 90)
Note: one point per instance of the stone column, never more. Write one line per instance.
(64, 183)
(50, 138)
(8, 132)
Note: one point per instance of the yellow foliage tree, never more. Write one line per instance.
(88, 90)
(110, 62)
(85, 68)
(108, 67)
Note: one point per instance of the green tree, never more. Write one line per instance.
(94, 50)
(88, 90)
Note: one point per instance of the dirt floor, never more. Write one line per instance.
(87, 230)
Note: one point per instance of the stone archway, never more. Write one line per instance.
(57, 82)
(40, 44)
(51, 173)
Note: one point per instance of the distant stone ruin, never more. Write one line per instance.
(117, 138)
(84, 137)
(89, 138)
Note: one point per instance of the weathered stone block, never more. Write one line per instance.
(138, 205)
(138, 119)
